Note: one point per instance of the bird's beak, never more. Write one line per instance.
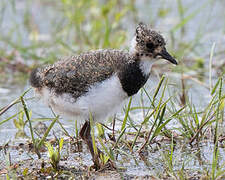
(165, 55)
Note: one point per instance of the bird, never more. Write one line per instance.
(98, 81)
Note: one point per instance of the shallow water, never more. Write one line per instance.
(40, 110)
(205, 22)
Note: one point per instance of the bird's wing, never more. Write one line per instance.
(75, 74)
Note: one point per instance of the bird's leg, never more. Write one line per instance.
(85, 134)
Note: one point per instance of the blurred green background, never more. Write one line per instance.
(38, 32)
(41, 31)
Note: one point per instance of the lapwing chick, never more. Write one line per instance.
(97, 82)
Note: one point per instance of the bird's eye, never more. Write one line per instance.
(150, 46)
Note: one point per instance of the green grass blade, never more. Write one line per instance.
(47, 132)
(216, 136)
(118, 139)
(6, 120)
(60, 144)
(93, 134)
(126, 115)
(210, 67)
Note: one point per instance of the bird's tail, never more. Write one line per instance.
(35, 78)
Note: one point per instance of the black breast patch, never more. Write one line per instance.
(132, 78)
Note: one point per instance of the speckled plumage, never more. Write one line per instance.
(79, 84)
(97, 82)
(76, 74)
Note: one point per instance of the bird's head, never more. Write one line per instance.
(149, 45)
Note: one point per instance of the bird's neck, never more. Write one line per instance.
(134, 75)
(145, 65)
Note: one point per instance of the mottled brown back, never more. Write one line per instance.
(76, 74)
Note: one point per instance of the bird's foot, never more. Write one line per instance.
(101, 164)
(109, 165)
(99, 158)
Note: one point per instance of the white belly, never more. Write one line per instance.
(102, 100)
